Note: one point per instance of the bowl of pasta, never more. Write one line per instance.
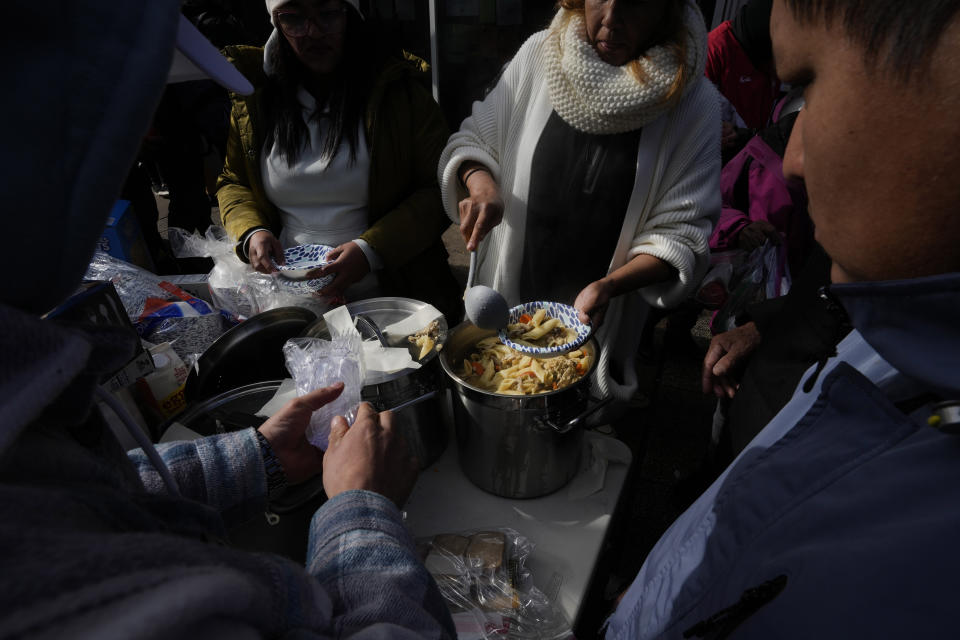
(517, 418)
(544, 329)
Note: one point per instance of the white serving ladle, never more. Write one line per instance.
(484, 306)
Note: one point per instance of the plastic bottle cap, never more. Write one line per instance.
(161, 360)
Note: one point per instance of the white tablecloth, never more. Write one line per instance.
(567, 531)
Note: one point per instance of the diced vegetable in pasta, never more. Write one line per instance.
(492, 366)
(540, 331)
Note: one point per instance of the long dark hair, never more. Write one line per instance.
(348, 92)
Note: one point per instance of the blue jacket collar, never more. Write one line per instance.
(913, 324)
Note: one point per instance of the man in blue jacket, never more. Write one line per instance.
(840, 519)
(96, 543)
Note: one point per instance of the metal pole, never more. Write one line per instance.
(434, 59)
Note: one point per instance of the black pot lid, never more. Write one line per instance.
(248, 353)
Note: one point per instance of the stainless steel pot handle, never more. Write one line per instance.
(409, 403)
(546, 422)
(372, 326)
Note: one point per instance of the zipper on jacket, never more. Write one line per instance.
(721, 624)
(842, 328)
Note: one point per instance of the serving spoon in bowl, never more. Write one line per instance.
(484, 306)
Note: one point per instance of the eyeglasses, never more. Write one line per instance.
(296, 24)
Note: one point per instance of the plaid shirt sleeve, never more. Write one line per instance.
(365, 558)
(224, 471)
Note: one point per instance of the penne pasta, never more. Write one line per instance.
(537, 370)
(497, 368)
(538, 317)
(488, 370)
(541, 331)
(426, 344)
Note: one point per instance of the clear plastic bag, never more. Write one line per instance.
(316, 363)
(133, 284)
(159, 310)
(715, 287)
(764, 274)
(228, 287)
(268, 294)
(234, 285)
(191, 335)
(488, 589)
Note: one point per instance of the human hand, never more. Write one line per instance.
(728, 135)
(261, 246)
(370, 455)
(286, 432)
(726, 356)
(348, 263)
(592, 302)
(482, 210)
(756, 233)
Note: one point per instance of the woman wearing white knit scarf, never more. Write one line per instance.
(592, 169)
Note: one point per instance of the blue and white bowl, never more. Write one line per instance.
(304, 287)
(564, 312)
(302, 259)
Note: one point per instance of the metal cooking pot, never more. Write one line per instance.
(420, 422)
(516, 446)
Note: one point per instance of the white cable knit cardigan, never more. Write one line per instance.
(673, 207)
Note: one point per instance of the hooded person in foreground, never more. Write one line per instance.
(99, 543)
(839, 519)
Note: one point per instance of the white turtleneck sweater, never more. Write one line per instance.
(322, 202)
(671, 212)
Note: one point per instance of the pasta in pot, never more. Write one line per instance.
(496, 367)
(539, 330)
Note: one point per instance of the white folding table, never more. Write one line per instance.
(567, 531)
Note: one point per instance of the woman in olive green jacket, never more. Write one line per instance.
(402, 133)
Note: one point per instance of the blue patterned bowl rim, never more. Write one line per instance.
(304, 286)
(567, 315)
(304, 256)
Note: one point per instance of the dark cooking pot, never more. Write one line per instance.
(285, 528)
(235, 410)
(516, 446)
(420, 423)
(250, 352)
